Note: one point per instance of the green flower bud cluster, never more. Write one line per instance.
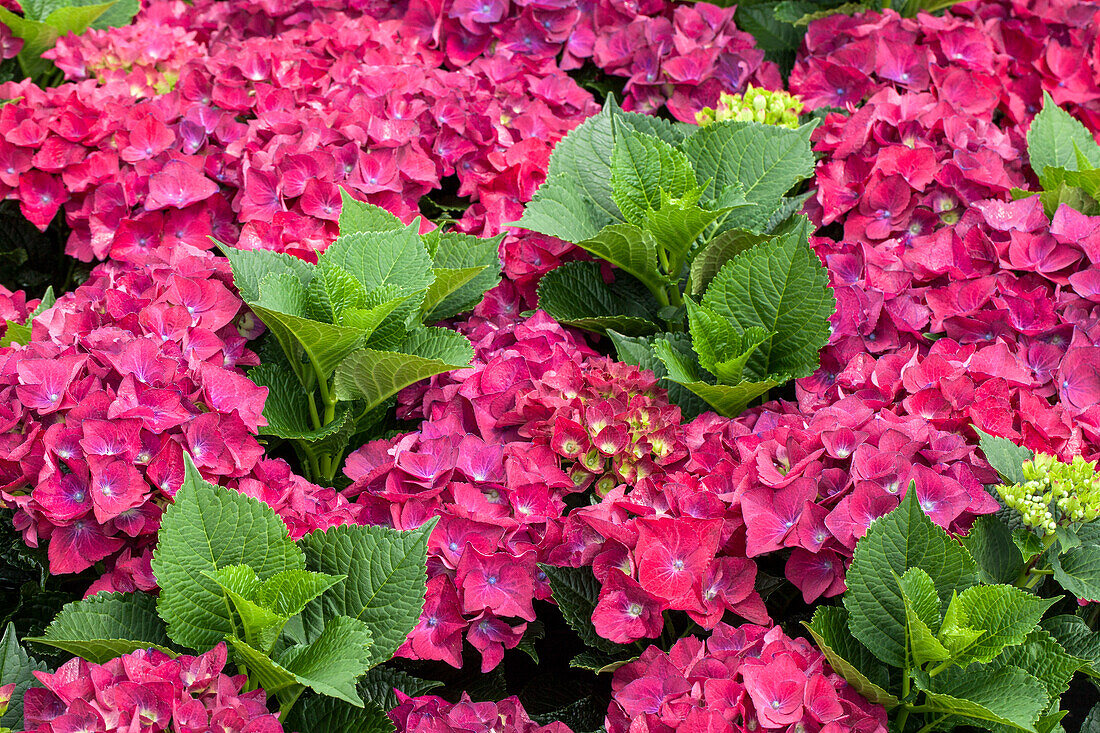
(1055, 493)
(755, 105)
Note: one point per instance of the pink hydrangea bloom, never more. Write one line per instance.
(740, 679)
(429, 712)
(147, 690)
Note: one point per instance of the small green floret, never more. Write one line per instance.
(755, 105)
(1055, 493)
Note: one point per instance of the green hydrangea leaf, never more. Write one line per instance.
(41, 35)
(324, 344)
(1087, 180)
(922, 614)
(575, 294)
(375, 376)
(1044, 658)
(1077, 569)
(1004, 613)
(262, 669)
(991, 545)
(206, 528)
(629, 248)
(447, 282)
(378, 685)
(560, 209)
(956, 633)
(382, 321)
(850, 659)
(385, 585)
(1007, 696)
(725, 399)
(119, 14)
(107, 625)
(717, 252)
(330, 715)
(331, 292)
(20, 333)
(16, 667)
(251, 266)
(287, 593)
(722, 348)
(583, 159)
(359, 216)
(575, 202)
(391, 257)
(333, 663)
(1077, 639)
(639, 352)
(784, 215)
(781, 287)
(287, 406)
(576, 592)
(601, 662)
(240, 579)
(456, 251)
(645, 170)
(261, 626)
(679, 222)
(766, 161)
(905, 538)
(1055, 137)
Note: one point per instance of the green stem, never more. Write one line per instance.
(313, 415)
(932, 726)
(904, 716)
(674, 297)
(939, 668)
(1030, 577)
(315, 469)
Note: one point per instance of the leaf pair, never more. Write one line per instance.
(761, 322)
(646, 195)
(315, 614)
(916, 603)
(684, 212)
(350, 327)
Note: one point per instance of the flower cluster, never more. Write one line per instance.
(1055, 492)
(979, 58)
(122, 375)
(149, 691)
(679, 55)
(536, 418)
(428, 712)
(264, 130)
(811, 481)
(956, 305)
(754, 105)
(741, 679)
(497, 494)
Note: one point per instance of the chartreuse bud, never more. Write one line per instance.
(1055, 493)
(755, 105)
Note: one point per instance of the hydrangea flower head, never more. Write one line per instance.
(149, 691)
(741, 679)
(1055, 492)
(766, 106)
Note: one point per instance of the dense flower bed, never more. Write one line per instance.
(958, 307)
